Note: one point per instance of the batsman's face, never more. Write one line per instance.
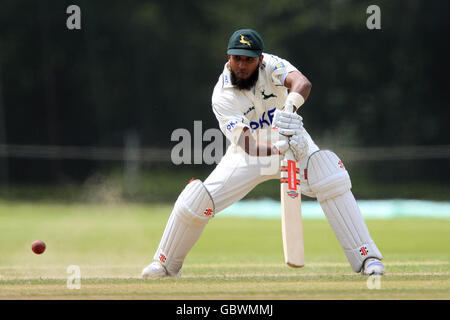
(244, 66)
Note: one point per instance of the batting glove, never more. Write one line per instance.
(281, 146)
(299, 146)
(287, 123)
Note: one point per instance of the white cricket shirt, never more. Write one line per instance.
(236, 109)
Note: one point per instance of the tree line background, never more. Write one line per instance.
(149, 67)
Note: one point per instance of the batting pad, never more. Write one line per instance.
(192, 211)
(329, 179)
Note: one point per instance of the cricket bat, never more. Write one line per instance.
(291, 211)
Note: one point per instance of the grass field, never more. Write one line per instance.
(236, 258)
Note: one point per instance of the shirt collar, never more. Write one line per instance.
(226, 77)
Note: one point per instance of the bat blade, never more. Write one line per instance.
(291, 215)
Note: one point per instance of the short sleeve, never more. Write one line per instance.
(278, 68)
(231, 120)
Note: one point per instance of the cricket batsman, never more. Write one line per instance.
(248, 101)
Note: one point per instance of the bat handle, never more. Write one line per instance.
(289, 155)
(289, 108)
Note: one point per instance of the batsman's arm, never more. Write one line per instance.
(298, 83)
(248, 143)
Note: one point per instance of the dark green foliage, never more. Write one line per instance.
(150, 66)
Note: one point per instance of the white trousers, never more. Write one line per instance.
(238, 173)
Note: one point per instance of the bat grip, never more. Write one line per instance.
(289, 155)
(289, 108)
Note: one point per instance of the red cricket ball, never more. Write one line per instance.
(38, 246)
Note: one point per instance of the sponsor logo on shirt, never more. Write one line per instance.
(231, 125)
(279, 66)
(249, 109)
(264, 120)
